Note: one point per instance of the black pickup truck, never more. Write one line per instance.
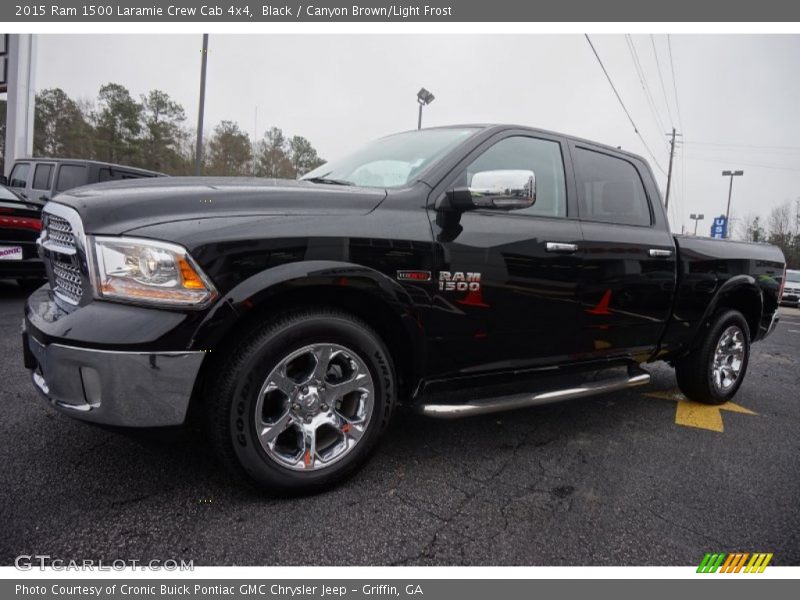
(455, 270)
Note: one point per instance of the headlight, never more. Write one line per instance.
(140, 270)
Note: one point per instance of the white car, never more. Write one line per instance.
(791, 290)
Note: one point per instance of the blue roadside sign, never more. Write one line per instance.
(719, 227)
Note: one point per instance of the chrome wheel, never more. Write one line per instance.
(728, 359)
(314, 407)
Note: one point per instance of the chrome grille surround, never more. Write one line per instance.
(63, 248)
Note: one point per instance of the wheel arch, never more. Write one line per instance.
(375, 298)
(740, 293)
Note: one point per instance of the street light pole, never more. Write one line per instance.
(424, 97)
(730, 174)
(696, 218)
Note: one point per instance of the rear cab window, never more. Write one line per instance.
(19, 175)
(70, 176)
(610, 189)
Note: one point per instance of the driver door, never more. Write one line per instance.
(525, 311)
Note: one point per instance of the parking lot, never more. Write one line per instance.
(634, 478)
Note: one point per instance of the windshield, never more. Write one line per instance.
(392, 161)
(793, 276)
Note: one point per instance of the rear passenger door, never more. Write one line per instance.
(42, 181)
(628, 253)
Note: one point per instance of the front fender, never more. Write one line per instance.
(263, 287)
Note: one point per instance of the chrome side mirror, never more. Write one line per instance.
(506, 189)
(502, 189)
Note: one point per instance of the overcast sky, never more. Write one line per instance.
(737, 95)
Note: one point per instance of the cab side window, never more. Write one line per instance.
(42, 176)
(610, 189)
(543, 157)
(70, 176)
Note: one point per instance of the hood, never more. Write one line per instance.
(116, 207)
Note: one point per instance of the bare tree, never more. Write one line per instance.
(272, 158)
(780, 228)
(779, 224)
(751, 229)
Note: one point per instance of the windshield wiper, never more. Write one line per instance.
(329, 181)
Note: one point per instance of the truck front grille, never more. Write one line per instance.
(67, 280)
(60, 233)
(64, 251)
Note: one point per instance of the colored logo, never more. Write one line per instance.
(735, 562)
(413, 275)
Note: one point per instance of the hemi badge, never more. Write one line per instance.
(413, 275)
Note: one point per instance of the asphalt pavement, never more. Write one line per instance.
(634, 478)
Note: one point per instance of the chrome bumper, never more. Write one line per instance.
(131, 389)
(790, 297)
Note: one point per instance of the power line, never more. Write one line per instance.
(637, 65)
(680, 188)
(622, 104)
(660, 78)
(674, 81)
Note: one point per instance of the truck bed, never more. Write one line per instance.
(710, 270)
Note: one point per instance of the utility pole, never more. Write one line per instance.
(255, 136)
(730, 174)
(672, 137)
(198, 155)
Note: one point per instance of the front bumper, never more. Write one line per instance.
(131, 387)
(790, 297)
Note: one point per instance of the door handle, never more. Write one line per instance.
(561, 247)
(659, 253)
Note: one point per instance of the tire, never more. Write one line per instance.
(697, 376)
(273, 383)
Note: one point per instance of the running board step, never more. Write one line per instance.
(635, 378)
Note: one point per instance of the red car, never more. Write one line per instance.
(20, 224)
